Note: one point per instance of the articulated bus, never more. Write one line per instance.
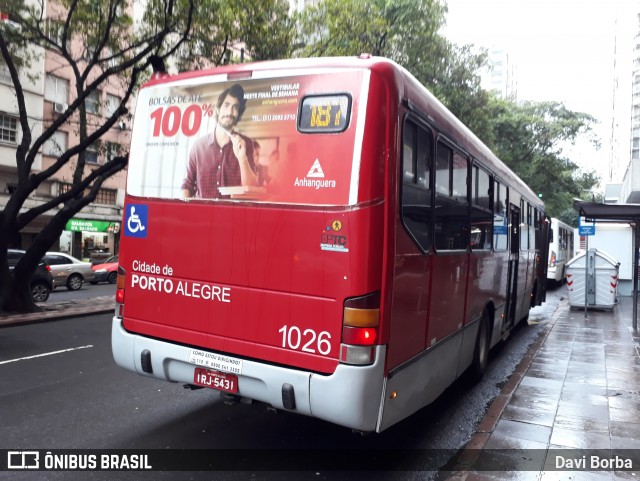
(320, 235)
(560, 249)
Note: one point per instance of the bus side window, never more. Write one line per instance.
(481, 210)
(416, 189)
(532, 227)
(538, 228)
(451, 227)
(524, 230)
(500, 225)
(443, 170)
(408, 153)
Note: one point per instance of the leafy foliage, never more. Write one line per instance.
(531, 138)
(93, 40)
(341, 27)
(218, 27)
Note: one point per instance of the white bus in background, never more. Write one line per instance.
(560, 249)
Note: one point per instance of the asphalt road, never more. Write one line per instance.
(87, 291)
(60, 389)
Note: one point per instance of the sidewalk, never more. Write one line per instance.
(578, 388)
(62, 309)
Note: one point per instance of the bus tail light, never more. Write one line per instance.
(360, 323)
(120, 284)
(552, 259)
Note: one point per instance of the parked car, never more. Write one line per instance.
(68, 271)
(99, 255)
(106, 272)
(42, 280)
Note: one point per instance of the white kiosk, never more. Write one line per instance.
(599, 283)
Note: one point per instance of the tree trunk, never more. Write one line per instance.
(17, 298)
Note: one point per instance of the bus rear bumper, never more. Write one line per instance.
(350, 397)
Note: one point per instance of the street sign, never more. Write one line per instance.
(586, 227)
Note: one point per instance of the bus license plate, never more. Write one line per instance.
(215, 379)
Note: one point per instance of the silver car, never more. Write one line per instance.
(68, 271)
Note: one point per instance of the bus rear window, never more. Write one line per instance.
(324, 113)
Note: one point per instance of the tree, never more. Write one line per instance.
(263, 30)
(408, 32)
(531, 138)
(267, 29)
(341, 27)
(96, 40)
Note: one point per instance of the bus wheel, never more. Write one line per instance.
(481, 352)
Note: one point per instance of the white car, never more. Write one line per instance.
(68, 271)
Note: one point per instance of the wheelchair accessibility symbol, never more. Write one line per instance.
(136, 221)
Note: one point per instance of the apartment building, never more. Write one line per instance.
(47, 97)
(500, 76)
(630, 191)
(11, 131)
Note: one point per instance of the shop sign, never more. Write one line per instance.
(84, 225)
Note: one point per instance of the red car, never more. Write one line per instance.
(107, 271)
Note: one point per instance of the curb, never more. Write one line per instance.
(61, 310)
(488, 423)
(491, 418)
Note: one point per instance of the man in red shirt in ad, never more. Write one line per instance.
(223, 158)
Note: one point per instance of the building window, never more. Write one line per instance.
(92, 102)
(5, 76)
(54, 30)
(91, 154)
(113, 102)
(56, 89)
(111, 150)
(106, 196)
(8, 129)
(56, 145)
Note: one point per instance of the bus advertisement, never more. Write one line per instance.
(320, 235)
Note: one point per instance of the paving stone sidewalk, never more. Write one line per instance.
(577, 390)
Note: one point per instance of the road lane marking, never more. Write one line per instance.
(47, 354)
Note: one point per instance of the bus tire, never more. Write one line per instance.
(481, 351)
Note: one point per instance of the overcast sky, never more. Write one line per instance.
(563, 49)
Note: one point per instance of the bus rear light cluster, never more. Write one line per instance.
(360, 323)
(361, 336)
(552, 259)
(120, 284)
(357, 355)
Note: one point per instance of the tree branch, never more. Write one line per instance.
(99, 176)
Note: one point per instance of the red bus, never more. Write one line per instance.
(321, 235)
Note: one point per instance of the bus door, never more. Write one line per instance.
(512, 274)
